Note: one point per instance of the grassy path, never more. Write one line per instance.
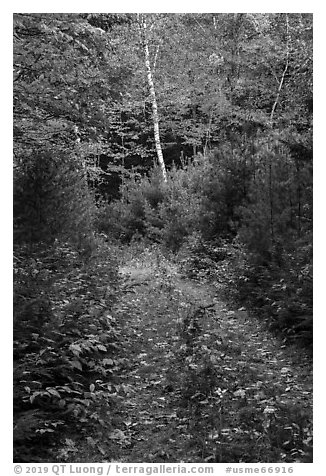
(203, 382)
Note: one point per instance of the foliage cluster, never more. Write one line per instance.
(202, 196)
(281, 294)
(64, 345)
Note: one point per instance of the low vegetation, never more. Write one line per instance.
(64, 345)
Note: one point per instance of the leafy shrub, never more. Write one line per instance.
(202, 196)
(126, 217)
(64, 343)
(167, 212)
(280, 294)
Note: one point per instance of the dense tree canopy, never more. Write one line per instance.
(218, 78)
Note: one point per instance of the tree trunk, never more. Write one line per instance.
(143, 31)
(286, 67)
(271, 119)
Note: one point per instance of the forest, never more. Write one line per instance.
(162, 223)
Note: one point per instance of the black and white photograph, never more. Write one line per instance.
(162, 240)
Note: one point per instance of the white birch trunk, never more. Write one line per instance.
(150, 81)
(277, 98)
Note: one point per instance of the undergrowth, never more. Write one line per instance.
(233, 413)
(279, 295)
(64, 346)
(234, 394)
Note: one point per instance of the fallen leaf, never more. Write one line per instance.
(240, 393)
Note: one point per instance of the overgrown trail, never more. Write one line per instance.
(203, 382)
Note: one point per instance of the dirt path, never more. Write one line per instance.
(203, 382)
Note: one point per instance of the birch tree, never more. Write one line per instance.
(150, 81)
